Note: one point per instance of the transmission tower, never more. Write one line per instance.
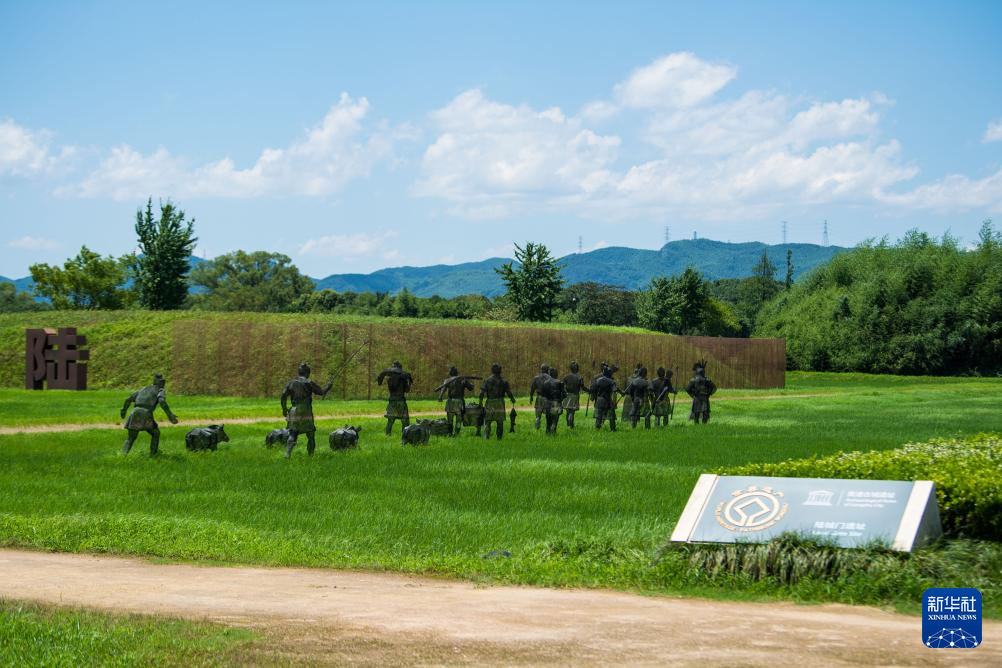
(784, 232)
(667, 234)
(694, 235)
(824, 234)
(580, 244)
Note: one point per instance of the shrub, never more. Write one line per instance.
(967, 473)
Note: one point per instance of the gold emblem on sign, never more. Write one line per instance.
(752, 509)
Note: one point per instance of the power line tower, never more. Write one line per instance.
(580, 244)
(824, 234)
(694, 235)
(784, 232)
(667, 234)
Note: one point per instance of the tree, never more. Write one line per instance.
(675, 305)
(789, 269)
(258, 281)
(534, 285)
(12, 301)
(165, 245)
(87, 281)
(592, 303)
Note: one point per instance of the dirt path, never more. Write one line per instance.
(324, 616)
(82, 426)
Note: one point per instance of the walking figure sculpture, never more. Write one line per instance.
(662, 387)
(700, 388)
(495, 388)
(300, 391)
(399, 384)
(573, 384)
(603, 392)
(639, 393)
(455, 386)
(146, 401)
(553, 397)
(627, 400)
(536, 389)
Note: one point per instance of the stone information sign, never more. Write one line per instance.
(728, 509)
(53, 358)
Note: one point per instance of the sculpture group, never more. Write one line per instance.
(550, 394)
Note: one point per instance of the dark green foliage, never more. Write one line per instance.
(967, 473)
(165, 246)
(12, 301)
(87, 281)
(258, 281)
(534, 284)
(596, 304)
(917, 306)
(465, 307)
(788, 283)
(683, 305)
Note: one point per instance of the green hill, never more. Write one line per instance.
(631, 268)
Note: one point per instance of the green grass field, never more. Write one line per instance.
(33, 635)
(581, 509)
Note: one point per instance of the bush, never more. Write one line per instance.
(967, 473)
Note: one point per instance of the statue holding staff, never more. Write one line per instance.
(398, 382)
(573, 385)
(535, 391)
(661, 388)
(455, 386)
(300, 391)
(603, 392)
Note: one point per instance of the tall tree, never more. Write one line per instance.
(12, 301)
(789, 269)
(258, 281)
(676, 305)
(165, 245)
(534, 285)
(87, 281)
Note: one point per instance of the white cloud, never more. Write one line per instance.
(993, 132)
(955, 192)
(24, 152)
(31, 243)
(340, 148)
(489, 156)
(350, 246)
(672, 81)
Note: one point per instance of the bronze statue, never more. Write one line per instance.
(661, 387)
(627, 400)
(535, 389)
(300, 416)
(573, 384)
(700, 388)
(553, 397)
(399, 383)
(455, 386)
(639, 394)
(141, 417)
(603, 392)
(495, 388)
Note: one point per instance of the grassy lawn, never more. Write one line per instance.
(583, 509)
(33, 635)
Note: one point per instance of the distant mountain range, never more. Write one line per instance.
(631, 268)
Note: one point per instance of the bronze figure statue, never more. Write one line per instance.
(639, 394)
(553, 397)
(535, 390)
(700, 388)
(495, 388)
(627, 400)
(141, 418)
(299, 417)
(573, 384)
(661, 387)
(603, 393)
(455, 386)
(399, 384)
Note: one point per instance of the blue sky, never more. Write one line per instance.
(356, 136)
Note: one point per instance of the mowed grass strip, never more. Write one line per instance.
(36, 635)
(583, 508)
